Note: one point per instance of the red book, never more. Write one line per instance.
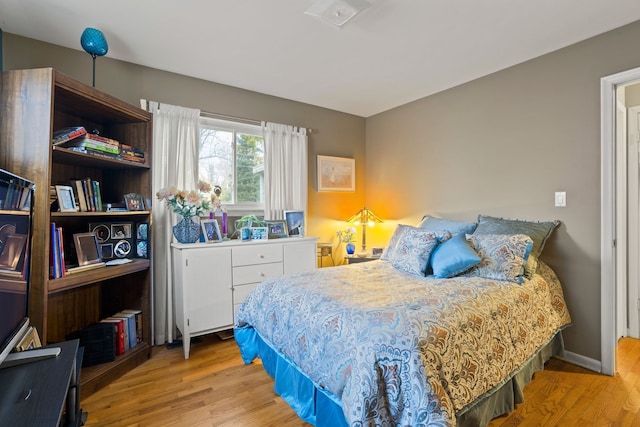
(120, 333)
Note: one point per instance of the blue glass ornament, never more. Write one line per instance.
(94, 43)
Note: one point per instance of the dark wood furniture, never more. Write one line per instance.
(34, 103)
(44, 392)
(355, 259)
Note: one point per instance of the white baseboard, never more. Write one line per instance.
(582, 361)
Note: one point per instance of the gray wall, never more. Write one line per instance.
(502, 145)
(333, 133)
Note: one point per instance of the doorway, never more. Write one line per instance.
(613, 230)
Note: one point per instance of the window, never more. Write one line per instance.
(232, 156)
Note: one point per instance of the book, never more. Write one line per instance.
(138, 318)
(63, 135)
(63, 271)
(119, 331)
(125, 325)
(131, 322)
(54, 265)
(96, 194)
(76, 184)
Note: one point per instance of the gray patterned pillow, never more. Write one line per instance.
(503, 256)
(538, 231)
(410, 248)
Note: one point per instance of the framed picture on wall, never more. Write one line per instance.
(336, 174)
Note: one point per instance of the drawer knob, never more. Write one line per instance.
(261, 256)
(262, 274)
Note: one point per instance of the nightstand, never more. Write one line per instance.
(356, 259)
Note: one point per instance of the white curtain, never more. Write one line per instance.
(285, 169)
(176, 138)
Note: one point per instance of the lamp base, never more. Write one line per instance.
(363, 254)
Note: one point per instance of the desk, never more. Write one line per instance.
(37, 393)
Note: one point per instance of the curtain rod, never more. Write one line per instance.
(235, 119)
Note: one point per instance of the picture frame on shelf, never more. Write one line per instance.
(66, 198)
(295, 223)
(121, 230)
(134, 202)
(106, 250)
(29, 340)
(336, 173)
(277, 228)
(259, 233)
(12, 250)
(87, 248)
(211, 230)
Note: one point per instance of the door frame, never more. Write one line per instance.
(612, 258)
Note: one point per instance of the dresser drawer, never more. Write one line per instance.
(256, 273)
(256, 254)
(241, 292)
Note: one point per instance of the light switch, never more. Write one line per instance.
(561, 199)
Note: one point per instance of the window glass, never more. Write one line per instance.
(232, 156)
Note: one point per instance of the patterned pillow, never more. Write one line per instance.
(453, 257)
(454, 227)
(538, 231)
(503, 256)
(410, 248)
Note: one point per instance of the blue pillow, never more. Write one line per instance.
(453, 257)
(454, 227)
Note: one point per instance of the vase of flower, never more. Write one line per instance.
(351, 248)
(187, 231)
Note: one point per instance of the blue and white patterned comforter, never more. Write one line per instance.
(397, 349)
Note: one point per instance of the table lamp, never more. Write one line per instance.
(366, 218)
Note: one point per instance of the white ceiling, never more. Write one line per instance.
(395, 52)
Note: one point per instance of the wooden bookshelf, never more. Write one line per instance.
(33, 104)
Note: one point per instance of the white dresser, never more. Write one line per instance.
(212, 279)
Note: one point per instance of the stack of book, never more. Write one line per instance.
(127, 329)
(17, 197)
(133, 154)
(88, 193)
(77, 139)
(94, 144)
(63, 135)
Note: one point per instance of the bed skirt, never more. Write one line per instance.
(320, 408)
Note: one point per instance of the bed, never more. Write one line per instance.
(381, 343)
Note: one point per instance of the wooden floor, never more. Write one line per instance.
(214, 388)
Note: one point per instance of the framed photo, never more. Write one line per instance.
(66, 199)
(295, 222)
(134, 202)
(245, 234)
(376, 252)
(259, 233)
(29, 341)
(106, 250)
(277, 228)
(336, 174)
(12, 251)
(210, 230)
(121, 231)
(87, 248)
